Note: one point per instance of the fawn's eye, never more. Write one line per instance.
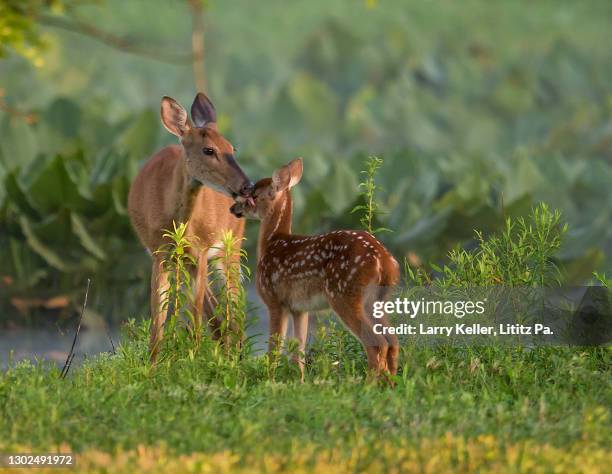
(208, 151)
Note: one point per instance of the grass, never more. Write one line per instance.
(543, 401)
(207, 407)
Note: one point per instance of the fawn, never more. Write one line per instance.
(344, 270)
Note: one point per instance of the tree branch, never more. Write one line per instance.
(197, 44)
(127, 45)
(28, 117)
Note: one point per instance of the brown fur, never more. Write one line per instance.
(169, 189)
(343, 270)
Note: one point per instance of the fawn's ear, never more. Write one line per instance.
(174, 117)
(203, 111)
(287, 176)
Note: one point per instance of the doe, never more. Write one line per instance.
(345, 270)
(193, 182)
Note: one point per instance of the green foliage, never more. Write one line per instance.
(60, 227)
(601, 278)
(335, 353)
(63, 212)
(18, 28)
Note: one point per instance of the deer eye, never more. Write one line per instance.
(208, 151)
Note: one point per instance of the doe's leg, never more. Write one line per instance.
(159, 286)
(205, 300)
(232, 269)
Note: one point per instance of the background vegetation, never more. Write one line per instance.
(479, 109)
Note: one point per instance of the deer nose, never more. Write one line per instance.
(234, 210)
(247, 189)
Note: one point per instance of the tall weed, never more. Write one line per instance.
(370, 208)
(229, 274)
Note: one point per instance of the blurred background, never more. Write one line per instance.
(479, 110)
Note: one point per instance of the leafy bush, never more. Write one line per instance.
(522, 255)
(63, 215)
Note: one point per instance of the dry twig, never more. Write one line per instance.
(70, 357)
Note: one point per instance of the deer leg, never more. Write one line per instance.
(351, 311)
(300, 332)
(210, 303)
(159, 285)
(235, 326)
(205, 300)
(278, 328)
(381, 294)
(393, 352)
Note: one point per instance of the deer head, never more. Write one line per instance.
(209, 156)
(270, 193)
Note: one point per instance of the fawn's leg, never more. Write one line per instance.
(159, 285)
(393, 352)
(278, 328)
(350, 309)
(300, 332)
(381, 294)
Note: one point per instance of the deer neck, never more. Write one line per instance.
(277, 222)
(187, 189)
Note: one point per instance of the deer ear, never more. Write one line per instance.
(203, 110)
(295, 170)
(287, 176)
(174, 117)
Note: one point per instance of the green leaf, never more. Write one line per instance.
(425, 229)
(87, 241)
(2, 176)
(55, 230)
(139, 139)
(19, 143)
(340, 186)
(50, 256)
(64, 117)
(315, 101)
(16, 195)
(119, 194)
(54, 187)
